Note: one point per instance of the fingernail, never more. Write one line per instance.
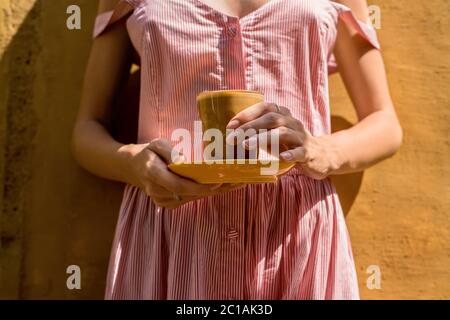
(233, 124)
(287, 156)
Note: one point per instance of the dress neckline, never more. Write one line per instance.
(260, 9)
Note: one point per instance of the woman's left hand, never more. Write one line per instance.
(318, 157)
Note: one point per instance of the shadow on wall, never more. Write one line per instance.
(18, 128)
(51, 216)
(52, 213)
(347, 186)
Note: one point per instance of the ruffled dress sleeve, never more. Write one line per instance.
(122, 11)
(364, 29)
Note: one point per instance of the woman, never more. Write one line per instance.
(176, 239)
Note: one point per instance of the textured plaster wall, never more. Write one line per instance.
(401, 217)
(53, 214)
(18, 128)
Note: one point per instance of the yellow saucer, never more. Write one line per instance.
(222, 172)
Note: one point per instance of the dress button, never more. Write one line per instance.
(232, 31)
(232, 234)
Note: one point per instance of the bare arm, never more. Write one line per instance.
(143, 165)
(93, 146)
(377, 135)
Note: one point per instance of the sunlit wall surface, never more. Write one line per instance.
(54, 215)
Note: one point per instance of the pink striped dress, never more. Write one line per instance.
(286, 240)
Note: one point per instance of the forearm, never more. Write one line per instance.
(373, 139)
(96, 151)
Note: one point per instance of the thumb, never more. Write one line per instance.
(164, 149)
(295, 155)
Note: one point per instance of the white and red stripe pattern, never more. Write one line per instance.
(286, 240)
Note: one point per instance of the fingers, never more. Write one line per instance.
(255, 112)
(164, 149)
(159, 174)
(298, 155)
(163, 186)
(283, 136)
(181, 186)
(268, 121)
(156, 191)
(263, 117)
(167, 200)
(171, 203)
(272, 120)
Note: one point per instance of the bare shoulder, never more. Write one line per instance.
(359, 8)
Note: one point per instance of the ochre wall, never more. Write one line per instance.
(53, 214)
(401, 217)
(68, 215)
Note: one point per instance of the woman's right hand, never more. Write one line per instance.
(148, 169)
